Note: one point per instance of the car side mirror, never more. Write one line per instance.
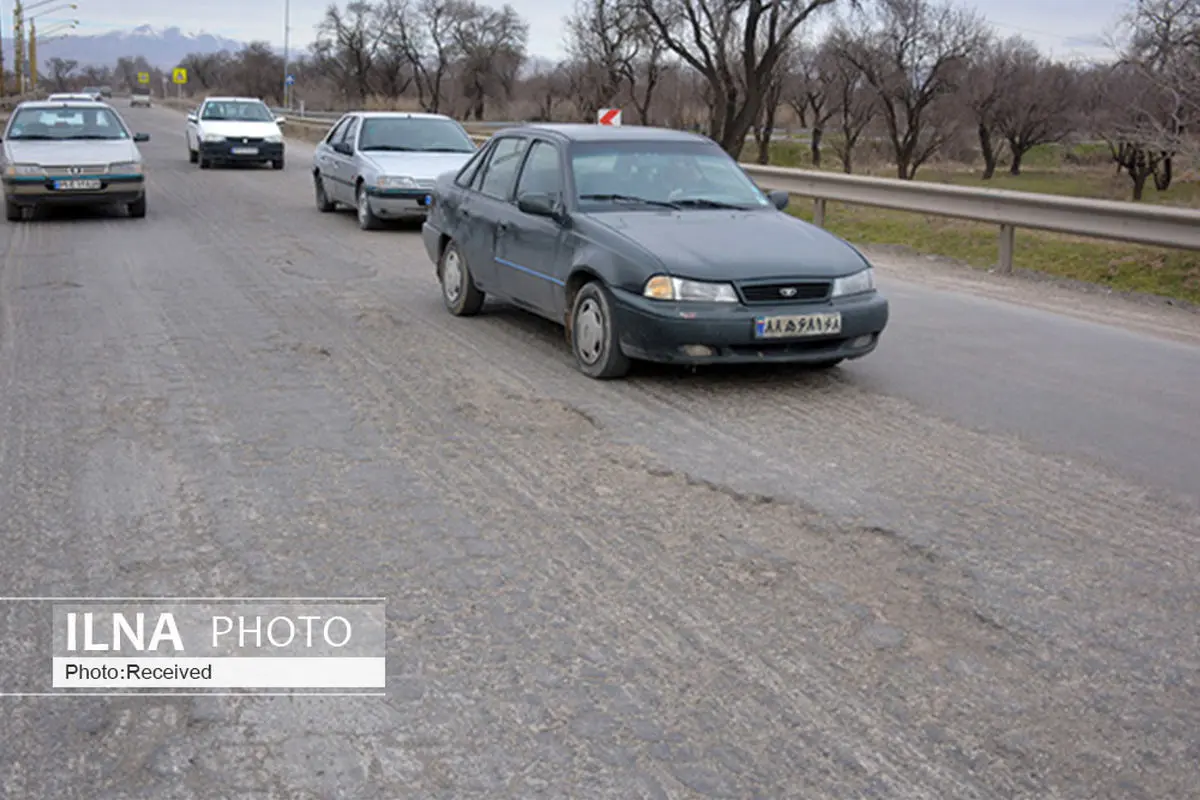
(344, 149)
(538, 204)
(191, 117)
(141, 137)
(280, 120)
(779, 199)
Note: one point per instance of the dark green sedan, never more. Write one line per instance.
(650, 244)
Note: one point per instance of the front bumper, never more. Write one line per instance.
(397, 203)
(653, 330)
(432, 238)
(38, 191)
(223, 152)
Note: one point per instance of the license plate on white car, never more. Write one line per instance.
(797, 325)
(245, 151)
(77, 185)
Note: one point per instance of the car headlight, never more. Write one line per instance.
(396, 182)
(273, 139)
(24, 169)
(664, 287)
(859, 282)
(213, 137)
(126, 167)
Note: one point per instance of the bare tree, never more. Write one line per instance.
(913, 53)
(348, 44)
(208, 70)
(603, 40)
(59, 72)
(989, 78)
(424, 33)
(737, 46)
(855, 105)
(1038, 107)
(815, 74)
(491, 43)
(549, 88)
(646, 68)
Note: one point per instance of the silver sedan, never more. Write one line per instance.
(383, 164)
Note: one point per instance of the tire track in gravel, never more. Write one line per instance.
(412, 408)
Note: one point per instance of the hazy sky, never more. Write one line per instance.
(1062, 27)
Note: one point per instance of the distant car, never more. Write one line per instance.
(384, 163)
(95, 92)
(234, 130)
(106, 92)
(647, 244)
(140, 97)
(71, 154)
(65, 97)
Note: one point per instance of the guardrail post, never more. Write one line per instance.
(1007, 242)
(819, 212)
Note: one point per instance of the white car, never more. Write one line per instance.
(234, 130)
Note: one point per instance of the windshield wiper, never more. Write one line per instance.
(703, 202)
(444, 150)
(93, 137)
(628, 198)
(33, 137)
(394, 148)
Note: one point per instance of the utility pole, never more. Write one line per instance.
(3, 82)
(33, 76)
(19, 46)
(287, 32)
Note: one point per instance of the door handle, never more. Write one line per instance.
(466, 212)
(502, 227)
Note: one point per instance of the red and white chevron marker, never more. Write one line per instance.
(609, 116)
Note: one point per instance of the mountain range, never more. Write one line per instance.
(161, 47)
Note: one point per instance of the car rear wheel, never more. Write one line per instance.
(324, 204)
(595, 342)
(366, 217)
(459, 293)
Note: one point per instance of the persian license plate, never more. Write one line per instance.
(245, 151)
(77, 185)
(797, 325)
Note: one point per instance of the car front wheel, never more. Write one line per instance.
(595, 342)
(366, 217)
(459, 293)
(324, 204)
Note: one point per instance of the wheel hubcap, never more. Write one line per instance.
(589, 331)
(452, 276)
(320, 191)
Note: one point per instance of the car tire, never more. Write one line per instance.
(277, 163)
(193, 156)
(137, 209)
(362, 208)
(459, 293)
(13, 212)
(595, 342)
(324, 204)
(202, 161)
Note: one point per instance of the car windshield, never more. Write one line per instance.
(68, 122)
(423, 134)
(237, 110)
(651, 175)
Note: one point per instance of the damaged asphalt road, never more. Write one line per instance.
(730, 584)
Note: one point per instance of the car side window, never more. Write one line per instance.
(338, 128)
(466, 175)
(542, 173)
(351, 132)
(501, 169)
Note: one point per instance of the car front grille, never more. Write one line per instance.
(71, 170)
(785, 291)
(245, 140)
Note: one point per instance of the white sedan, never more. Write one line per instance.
(234, 130)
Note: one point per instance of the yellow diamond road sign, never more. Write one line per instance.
(179, 75)
(143, 77)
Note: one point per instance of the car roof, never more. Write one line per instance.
(396, 114)
(233, 100)
(72, 103)
(584, 132)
